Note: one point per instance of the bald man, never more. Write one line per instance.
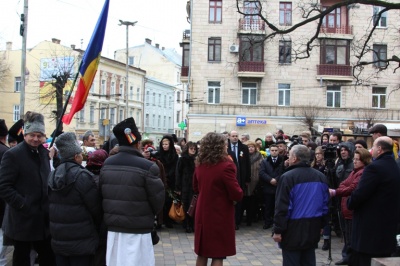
(376, 205)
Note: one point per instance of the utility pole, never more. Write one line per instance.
(127, 24)
(23, 31)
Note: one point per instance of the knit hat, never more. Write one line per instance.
(378, 128)
(3, 128)
(362, 142)
(97, 158)
(67, 145)
(126, 132)
(33, 122)
(16, 132)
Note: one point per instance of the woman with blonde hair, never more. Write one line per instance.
(218, 190)
(318, 162)
(362, 158)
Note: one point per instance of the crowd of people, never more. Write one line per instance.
(77, 204)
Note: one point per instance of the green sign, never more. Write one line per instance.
(182, 125)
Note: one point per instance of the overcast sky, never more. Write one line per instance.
(162, 21)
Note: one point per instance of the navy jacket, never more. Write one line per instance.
(376, 207)
(269, 170)
(301, 208)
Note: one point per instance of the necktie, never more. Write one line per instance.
(274, 159)
(234, 150)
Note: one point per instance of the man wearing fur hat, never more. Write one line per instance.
(132, 194)
(24, 172)
(72, 190)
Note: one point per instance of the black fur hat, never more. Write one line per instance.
(126, 132)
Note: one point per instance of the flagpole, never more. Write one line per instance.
(65, 105)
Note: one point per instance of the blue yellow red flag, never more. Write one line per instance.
(89, 65)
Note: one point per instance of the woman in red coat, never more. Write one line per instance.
(215, 181)
(362, 158)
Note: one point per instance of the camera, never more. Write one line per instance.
(330, 151)
(153, 152)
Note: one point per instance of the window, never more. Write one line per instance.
(131, 60)
(333, 96)
(17, 84)
(112, 116)
(214, 88)
(249, 93)
(178, 116)
(154, 98)
(138, 94)
(165, 122)
(138, 118)
(147, 98)
(215, 11)
(285, 13)
(170, 101)
(382, 23)
(159, 121)
(112, 88)
(380, 53)
(378, 97)
(147, 120)
(82, 115)
(252, 21)
(154, 121)
(283, 94)
(16, 115)
(214, 49)
(159, 99)
(121, 90)
(103, 113)
(285, 52)
(335, 52)
(92, 88)
(178, 96)
(103, 87)
(165, 101)
(121, 115)
(131, 93)
(332, 20)
(186, 56)
(251, 49)
(91, 114)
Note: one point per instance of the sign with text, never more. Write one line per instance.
(241, 121)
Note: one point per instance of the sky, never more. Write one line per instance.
(73, 21)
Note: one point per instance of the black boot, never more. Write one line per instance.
(326, 244)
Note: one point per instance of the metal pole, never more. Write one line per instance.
(23, 33)
(127, 24)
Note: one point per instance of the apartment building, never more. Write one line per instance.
(238, 81)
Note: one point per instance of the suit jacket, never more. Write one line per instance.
(243, 163)
(376, 205)
(271, 170)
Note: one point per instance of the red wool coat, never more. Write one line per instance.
(345, 188)
(218, 188)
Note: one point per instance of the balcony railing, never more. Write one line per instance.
(334, 70)
(251, 66)
(184, 71)
(337, 30)
(251, 24)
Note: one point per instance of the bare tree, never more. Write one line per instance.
(308, 114)
(4, 69)
(369, 116)
(313, 13)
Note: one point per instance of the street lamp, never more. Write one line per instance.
(127, 24)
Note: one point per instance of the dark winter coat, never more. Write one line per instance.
(169, 159)
(344, 190)
(218, 189)
(184, 178)
(344, 167)
(3, 149)
(132, 192)
(376, 207)
(243, 163)
(23, 186)
(301, 208)
(271, 170)
(75, 210)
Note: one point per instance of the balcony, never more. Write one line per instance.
(251, 69)
(253, 26)
(335, 72)
(337, 30)
(184, 74)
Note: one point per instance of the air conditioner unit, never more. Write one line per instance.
(234, 48)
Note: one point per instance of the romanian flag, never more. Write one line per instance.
(89, 65)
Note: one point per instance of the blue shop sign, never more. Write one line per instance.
(240, 121)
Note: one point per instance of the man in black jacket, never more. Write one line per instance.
(132, 194)
(301, 209)
(24, 172)
(376, 206)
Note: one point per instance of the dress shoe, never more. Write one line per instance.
(325, 246)
(342, 262)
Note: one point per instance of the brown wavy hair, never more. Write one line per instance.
(365, 156)
(213, 148)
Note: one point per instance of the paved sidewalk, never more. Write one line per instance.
(254, 246)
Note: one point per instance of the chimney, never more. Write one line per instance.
(157, 46)
(56, 41)
(148, 41)
(9, 46)
(73, 46)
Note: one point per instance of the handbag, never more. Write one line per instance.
(192, 208)
(154, 237)
(176, 211)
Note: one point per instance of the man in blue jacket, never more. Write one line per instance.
(301, 209)
(376, 205)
